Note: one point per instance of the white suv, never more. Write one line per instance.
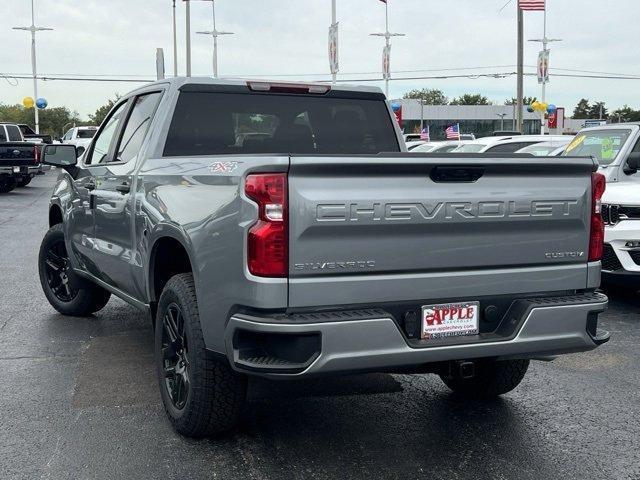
(621, 213)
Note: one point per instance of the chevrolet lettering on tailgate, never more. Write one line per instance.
(377, 212)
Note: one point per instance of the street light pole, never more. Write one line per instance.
(175, 42)
(33, 29)
(188, 34)
(215, 34)
(545, 41)
(387, 41)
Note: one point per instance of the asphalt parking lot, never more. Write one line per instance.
(79, 400)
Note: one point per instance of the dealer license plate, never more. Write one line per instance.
(450, 319)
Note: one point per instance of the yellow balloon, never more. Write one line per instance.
(28, 102)
(535, 105)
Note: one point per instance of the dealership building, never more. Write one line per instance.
(481, 120)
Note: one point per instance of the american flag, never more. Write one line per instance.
(531, 4)
(424, 134)
(453, 132)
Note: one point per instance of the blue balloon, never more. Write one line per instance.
(395, 106)
(41, 103)
(551, 108)
(530, 109)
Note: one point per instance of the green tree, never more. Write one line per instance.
(102, 111)
(598, 110)
(525, 101)
(625, 114)
(583, 109)
(52, 120)
(471, 99)
(429, 96)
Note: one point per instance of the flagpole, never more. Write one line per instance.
(545, 41)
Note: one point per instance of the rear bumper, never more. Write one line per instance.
(22, 170)
(550, 326)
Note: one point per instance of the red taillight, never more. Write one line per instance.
(596, 238)
(268, 243)
(36, 155)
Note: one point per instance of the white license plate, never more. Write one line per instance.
(450, 319)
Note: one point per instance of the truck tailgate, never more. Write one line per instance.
(17, 154)
(412, 226)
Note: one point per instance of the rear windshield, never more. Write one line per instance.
(86, 133)
(208, 123)
(15, 135)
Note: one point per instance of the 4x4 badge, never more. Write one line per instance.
(223, 167)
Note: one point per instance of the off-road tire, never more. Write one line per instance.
(492, 378)
(23, 182)
(216, 394)
(89, 298)
(7, 185)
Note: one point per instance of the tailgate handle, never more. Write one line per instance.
(456, 174)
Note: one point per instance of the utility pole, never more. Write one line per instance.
(545, 41)
(33, 29)
(387, 48)
(175, 42)
(215, 34)
(520, 68)
(188, 44)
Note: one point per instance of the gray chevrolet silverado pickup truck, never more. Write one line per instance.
(282, 230)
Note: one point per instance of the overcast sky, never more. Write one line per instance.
(289, 37)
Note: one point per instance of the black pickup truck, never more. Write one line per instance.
(31, 136)
(19, 160)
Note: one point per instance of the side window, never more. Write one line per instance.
(103, 141)
(137, 126)
(67, 136)
(3, 136)
(14, 133)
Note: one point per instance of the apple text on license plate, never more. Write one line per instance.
(450, 319)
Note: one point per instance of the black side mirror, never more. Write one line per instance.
(633, 163)
(60, 155)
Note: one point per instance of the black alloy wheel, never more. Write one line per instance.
(58, 271)
(175, 356)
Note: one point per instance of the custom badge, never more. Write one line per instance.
(223, 167)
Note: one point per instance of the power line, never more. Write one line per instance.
(472, 76)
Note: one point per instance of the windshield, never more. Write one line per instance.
(604, 145)
(470, 148)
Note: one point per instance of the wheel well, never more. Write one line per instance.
(55, 215)
(169, 258)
